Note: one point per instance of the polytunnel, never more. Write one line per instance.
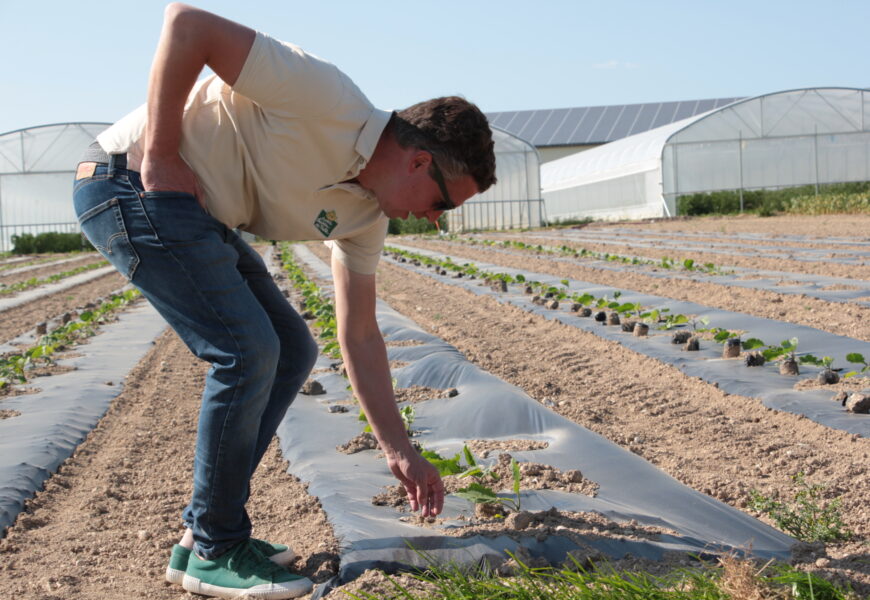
(515, 200)
(812, 136)
(37, 166)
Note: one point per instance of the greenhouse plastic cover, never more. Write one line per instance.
(789, 138)
(489, 408)
(775, 390)
(54, 421)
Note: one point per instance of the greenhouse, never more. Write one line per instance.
(813, 136)
(36, 174)
(515, 200)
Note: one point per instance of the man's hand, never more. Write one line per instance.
(169, 175)
(421, 481)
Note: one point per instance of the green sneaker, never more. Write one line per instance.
(277, 553)
(243, 571)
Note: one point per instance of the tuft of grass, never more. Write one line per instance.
(805, 518)
(731, 579)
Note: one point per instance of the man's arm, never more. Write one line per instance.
(190, 39)
(369, 371)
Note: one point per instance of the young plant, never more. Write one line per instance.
(479, 493)
(805, 518)
(786, 348)
(672, 321)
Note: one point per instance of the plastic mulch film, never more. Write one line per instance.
(830, 289)
(775, 391)
(673, 242)
(59, 417)
(489, 408)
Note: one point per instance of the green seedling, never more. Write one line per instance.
(699, 323)
(786, 348)
(479, 493)
(672, 321)
(857, 358)
(825, 362)
(805, 518)
(721, 335)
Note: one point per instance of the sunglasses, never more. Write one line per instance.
(446, 203)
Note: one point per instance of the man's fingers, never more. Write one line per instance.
(423, 498)
(411, 490)
(437, 497)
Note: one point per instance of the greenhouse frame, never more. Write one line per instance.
(812, 136)
(37, 166)
(515, 200)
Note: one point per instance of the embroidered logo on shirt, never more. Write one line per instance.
(325, 222)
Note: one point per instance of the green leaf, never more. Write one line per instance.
(521, 278)
(752, 343)
(722, 335)
(688, 264)
(469, 457)
(856, 357)
(479, 494)
(515, 468)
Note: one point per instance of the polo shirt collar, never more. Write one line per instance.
(371, 133)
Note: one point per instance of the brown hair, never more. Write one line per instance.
(457, 134)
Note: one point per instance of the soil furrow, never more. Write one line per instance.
(21, 319)
(845, 319)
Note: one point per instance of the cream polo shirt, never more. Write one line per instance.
(270, 153)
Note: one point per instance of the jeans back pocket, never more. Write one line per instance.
(104, 227)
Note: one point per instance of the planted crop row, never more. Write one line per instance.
(637, 319)
(14, 367)
(687, 264)
(27, 263)
(35, 282)
(314, 302)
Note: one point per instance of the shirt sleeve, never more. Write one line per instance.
(362, 252)
(283, 77)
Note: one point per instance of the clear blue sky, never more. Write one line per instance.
(85, 60)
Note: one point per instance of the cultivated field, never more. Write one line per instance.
(725, 433)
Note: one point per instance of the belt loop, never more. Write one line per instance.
(117, 161)
(112, 159)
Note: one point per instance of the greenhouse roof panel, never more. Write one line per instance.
(597, 124)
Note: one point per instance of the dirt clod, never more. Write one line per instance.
(753, 359)
(789, 366)
(312, 387)
(858, 403)
(731, 348)
(828, 377)
(640, 330)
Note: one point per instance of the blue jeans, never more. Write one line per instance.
(215, 292)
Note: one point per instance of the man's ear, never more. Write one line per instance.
(421, 159)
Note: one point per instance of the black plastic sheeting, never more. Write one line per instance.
(488, 408)
(54, 421)
(782, 282)
(775, 390)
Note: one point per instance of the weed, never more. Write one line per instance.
(804, 518)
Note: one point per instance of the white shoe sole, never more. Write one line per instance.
(176, 576)
(271, 591)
